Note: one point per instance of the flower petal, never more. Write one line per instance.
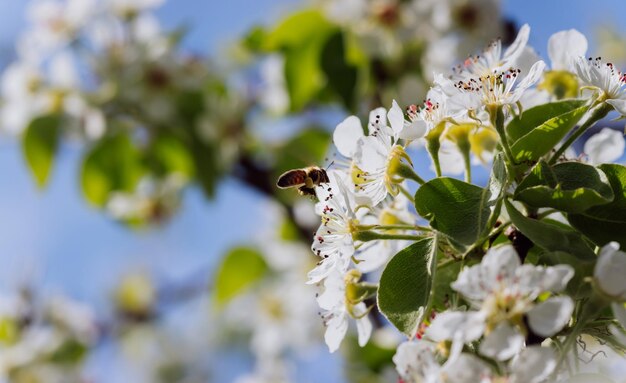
(363, 324)
(605, 146)
(610, 270)
(413, 130)
(557, 277)
(619, 105)
(373, 153)
(396, 118)
(336, 331)
(465, 369)
(516, 49)
(503, 343)
(378, 117)
(564, 46)
(464, 326)
(346, 135)
(533, 365)
(549, 317)
(534, 74)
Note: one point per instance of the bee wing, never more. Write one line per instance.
(292, 178)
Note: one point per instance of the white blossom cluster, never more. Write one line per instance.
(44, 339)
(367, 216)
(107, 68)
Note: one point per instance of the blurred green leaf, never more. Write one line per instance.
(301, 38)
(308, 147)
(404, 291)
(240, 269)
(255, 39)
(606, 223)
(298, 29)
(536, 116)
(364, 363)
(169, 155)
(341, 76)
(113, 164)
(70, 352)
(570, 186)
(40, 144)
(550, 236)
(544, 137)
(303, 74)
(288, 231)
(455, 208)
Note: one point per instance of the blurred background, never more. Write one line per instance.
(137, 255)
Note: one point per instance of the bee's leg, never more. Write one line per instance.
(307, 191)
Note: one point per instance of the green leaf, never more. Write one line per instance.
(298, 29)
(550, 236)
(404, 292)
(570, 186)
(606, 223)
(113, 164)
(443, 285)
(255, 38)
(455, 208)
(40, 144)
(240, 269)
(306, 148)
(168, 155)
(542, 139)
(497, 178)
(303, 75)
(341, 76)
(302, 38)
(69, 353)
(534, 117)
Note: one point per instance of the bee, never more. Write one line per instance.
(304, 179)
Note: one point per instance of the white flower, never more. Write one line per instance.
(153, 200)
(492, 59)
(20, 83)
(338, 308)
(433, 112)
(333, 240)
(57, 23)
(607, 79)
(610, 270)
(379, 153)
(416, 362)
(284, 316)
(409, 130)
(496, 88)
(564, 47)
(503, 291)
(605, 146)
(273, 95)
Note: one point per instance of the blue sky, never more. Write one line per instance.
(54, 236)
